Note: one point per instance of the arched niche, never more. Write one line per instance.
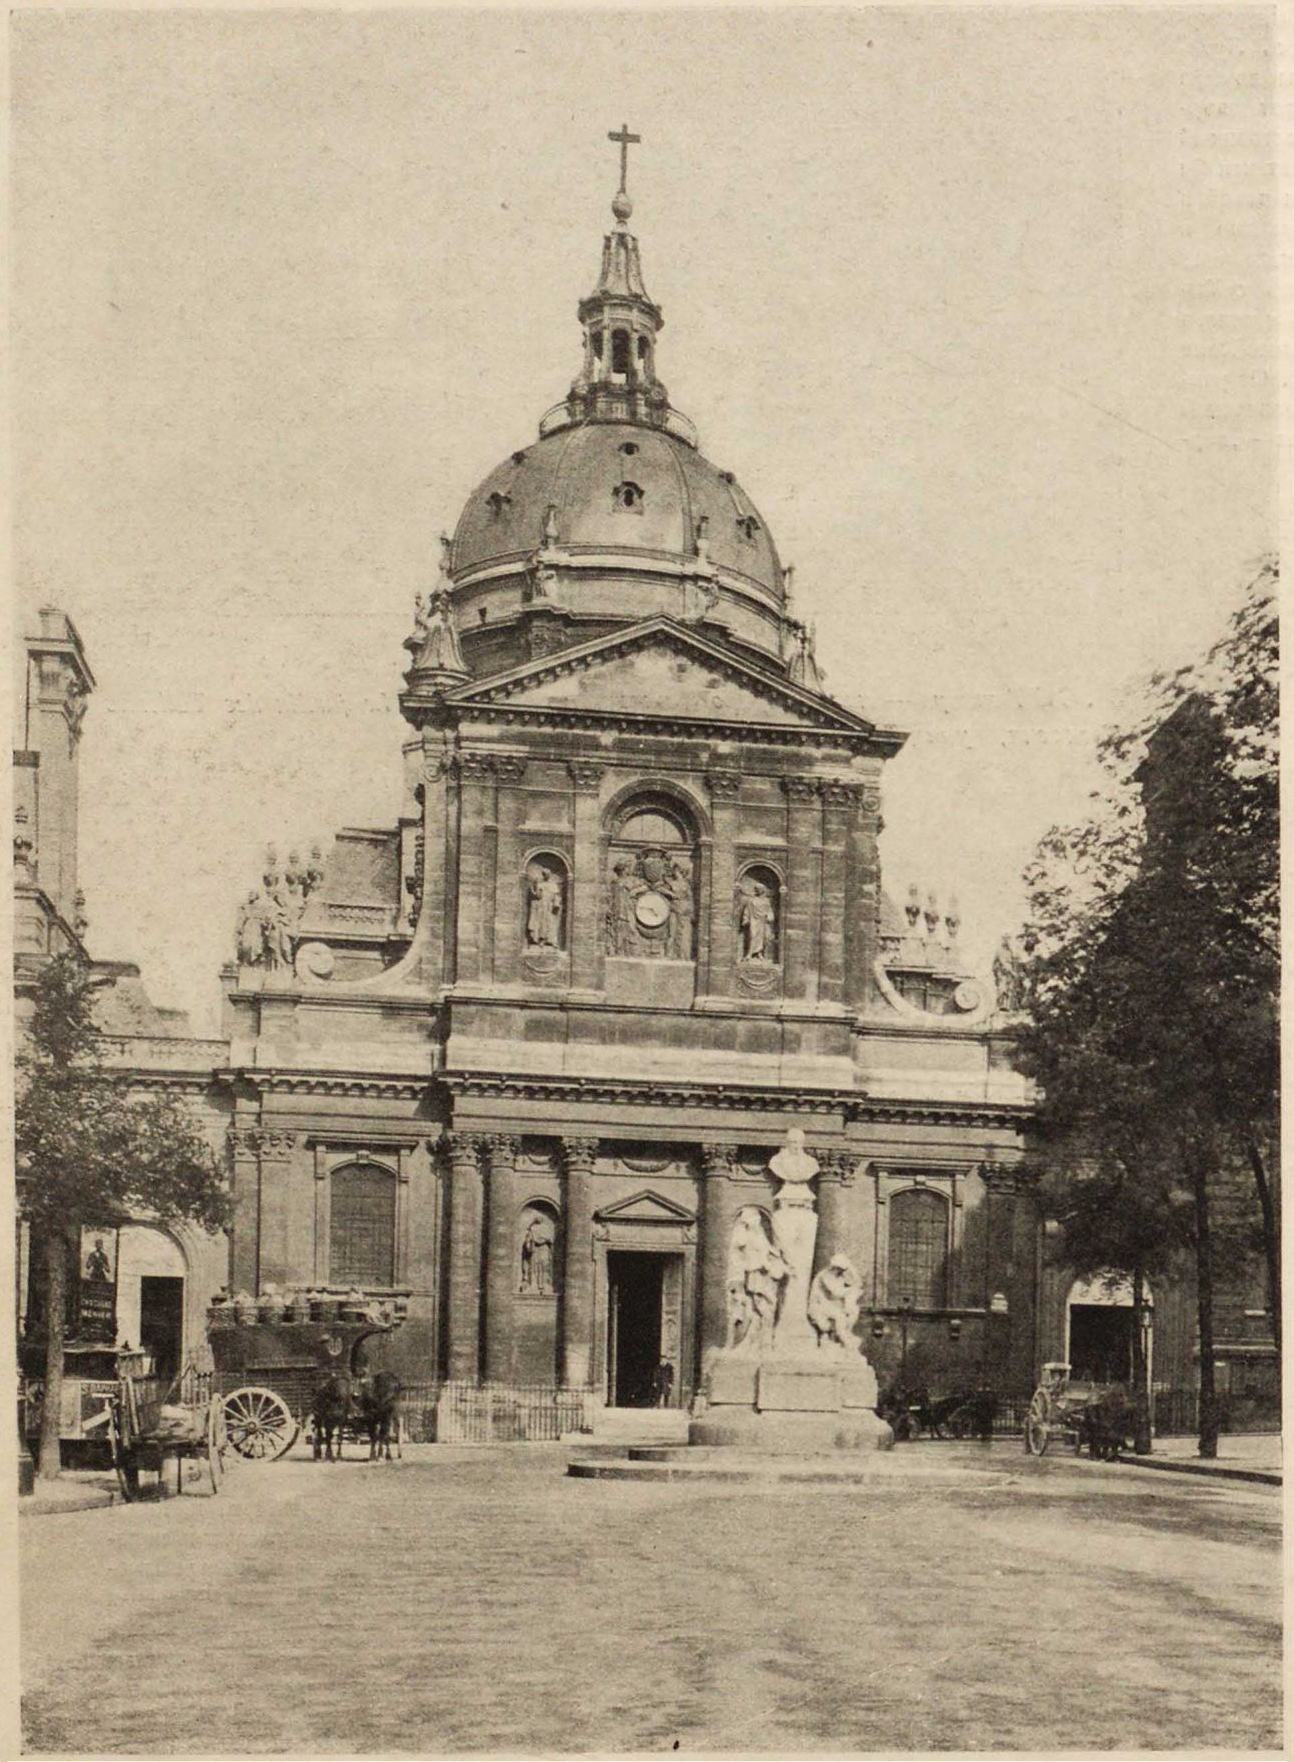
(758, 915)
(538, 1232)
(545, 904)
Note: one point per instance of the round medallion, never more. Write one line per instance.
(968, 995)
(651, 909)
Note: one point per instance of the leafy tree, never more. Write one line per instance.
(1153, 977)
(89, 1151)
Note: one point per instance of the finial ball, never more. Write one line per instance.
(621, 205)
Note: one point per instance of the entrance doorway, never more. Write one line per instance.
(635, 1289)
(1100, 1343)
(161, 1322)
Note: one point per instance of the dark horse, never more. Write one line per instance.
(376, 1402)
(329, 1412)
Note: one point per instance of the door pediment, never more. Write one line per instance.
(646, 1207)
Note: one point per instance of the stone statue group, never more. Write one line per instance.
(758, 1275)
(268, 918)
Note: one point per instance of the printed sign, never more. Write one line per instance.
(97, 1312)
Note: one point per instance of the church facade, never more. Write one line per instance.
(521, 1059)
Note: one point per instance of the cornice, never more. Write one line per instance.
(749, 733)
(631, 1091)
(1006, 1114)
(324, 1083)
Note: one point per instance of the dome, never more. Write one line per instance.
(619, 488)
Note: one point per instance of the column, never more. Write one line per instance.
(475, 804)
(586, 878)
(500, 1259)
(505, 966)
(839, 809)
(578, 1158)
(463, 1357)
(720, 977)
(720, 1206)
(800, 906)
(862, 897)
(835, 1180)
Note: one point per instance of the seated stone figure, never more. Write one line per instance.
(835, 1297)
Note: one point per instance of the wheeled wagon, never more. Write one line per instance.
(1100, 1415)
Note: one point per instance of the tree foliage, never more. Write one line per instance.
(92, 1148)
(1153, 970)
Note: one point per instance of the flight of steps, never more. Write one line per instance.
(621, 1426)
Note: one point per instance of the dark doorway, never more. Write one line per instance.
(633, 1327)
(161, 1323)
(1100, 1343)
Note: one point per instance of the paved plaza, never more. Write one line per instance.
(479, 1600)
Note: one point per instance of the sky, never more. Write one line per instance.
(979, 306)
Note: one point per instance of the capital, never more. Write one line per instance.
(585, 773)
(508, 768)
(719, 1160)
(476, 767)
(579, 1155)
(836, 1165)
(1001, 1177)
(502, 1148)
(464, 1151)
(724, 785)
(841, 795)
(800, 789)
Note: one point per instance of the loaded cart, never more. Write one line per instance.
(1101, 1415)
(271, 1356)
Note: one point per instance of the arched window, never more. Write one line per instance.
(629, 496)
(918, 1270)
(361, 1244)
(621, 359)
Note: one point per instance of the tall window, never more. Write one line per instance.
(918, 1248)
(362, 1235)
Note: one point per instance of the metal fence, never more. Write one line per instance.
(492, 1413)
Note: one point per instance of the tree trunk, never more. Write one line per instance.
(55, 1312)
(1271, 1237)
(1204, 1304)
(1140, 1391)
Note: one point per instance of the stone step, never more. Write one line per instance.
(639, 1425)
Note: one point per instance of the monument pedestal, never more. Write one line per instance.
(800, 1404)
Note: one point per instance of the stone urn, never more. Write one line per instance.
(244, 1308)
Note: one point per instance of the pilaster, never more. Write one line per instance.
(275, 1153)
(800, 907)
(586, 878)
(505, 943)
(839, 810)
(245, 1182)
(862, 897)
(719, 980)
(475, 885)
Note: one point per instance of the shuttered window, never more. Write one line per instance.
(362, 1234)
(918, 1249)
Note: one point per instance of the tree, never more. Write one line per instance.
(89, 1151)
(1153, 975)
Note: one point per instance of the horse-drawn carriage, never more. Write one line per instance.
(284, 1362)
(964, 1413)
(1101, 1415)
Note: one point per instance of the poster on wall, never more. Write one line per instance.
(98, 1305)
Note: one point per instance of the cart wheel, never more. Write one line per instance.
(1036, 1435)
(259, 1424)
(127, 1472)
(216, 1441)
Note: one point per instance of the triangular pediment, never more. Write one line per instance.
(645, 1208)
(661, 670)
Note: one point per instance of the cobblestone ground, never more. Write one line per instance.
(481, 1601)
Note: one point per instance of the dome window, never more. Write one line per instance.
(519, 458)
(630, 448)
(499, 502)
(596, 341)
(628, 496)
(748, 527)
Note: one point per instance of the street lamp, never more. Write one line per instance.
(1141, 1442)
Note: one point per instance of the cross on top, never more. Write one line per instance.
(625, 140)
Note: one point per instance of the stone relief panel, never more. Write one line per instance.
(652, 904)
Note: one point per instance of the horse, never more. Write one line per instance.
(329, 1411)
(376, 1402)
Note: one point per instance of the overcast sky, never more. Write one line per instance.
(978, 305)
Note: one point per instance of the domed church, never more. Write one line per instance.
(519, 1061)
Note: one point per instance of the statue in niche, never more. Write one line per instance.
(537, 1255)
(835, 1297)
(545, 899)
(757, 1275)
(651, 910)
(756, 914)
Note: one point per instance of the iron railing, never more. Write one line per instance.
(492, 1413)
